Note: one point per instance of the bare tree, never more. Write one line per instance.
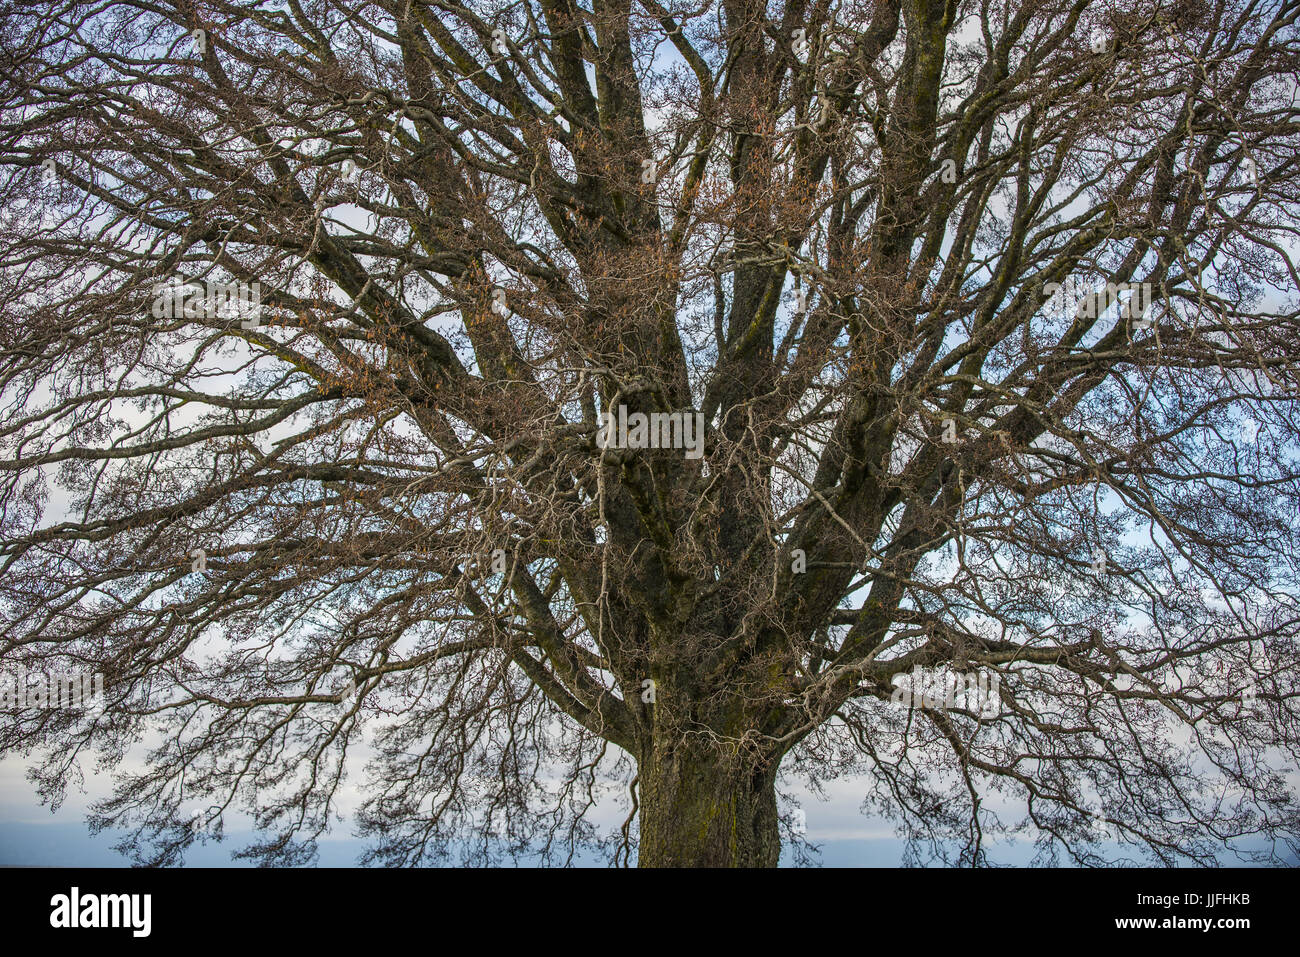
(550, 403)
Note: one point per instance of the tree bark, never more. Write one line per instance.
(701, 808)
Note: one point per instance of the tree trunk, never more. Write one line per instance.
(701, 808)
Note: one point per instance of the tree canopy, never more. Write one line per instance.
(988, 312)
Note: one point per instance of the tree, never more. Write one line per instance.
(353, 358)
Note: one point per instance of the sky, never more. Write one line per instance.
(32, 836)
